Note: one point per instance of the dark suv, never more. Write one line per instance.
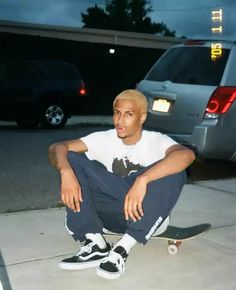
(36, 92)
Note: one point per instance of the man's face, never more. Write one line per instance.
(128, 120)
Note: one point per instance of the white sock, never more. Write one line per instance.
(127, 242)
(97, 239)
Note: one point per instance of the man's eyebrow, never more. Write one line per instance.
(127, 111)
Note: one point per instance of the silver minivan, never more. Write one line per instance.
(191, 91)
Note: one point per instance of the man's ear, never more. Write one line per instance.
(143, 118)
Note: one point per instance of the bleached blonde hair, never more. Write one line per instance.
(135, 96)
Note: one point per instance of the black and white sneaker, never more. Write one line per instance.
(113, 266)
(90, 255)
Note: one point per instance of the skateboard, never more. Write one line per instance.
(175, 235)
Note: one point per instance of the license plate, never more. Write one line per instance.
(161, 105)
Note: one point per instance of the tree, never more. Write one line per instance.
(118, 12)
(96, 18)
(124, 15)
(138, 16)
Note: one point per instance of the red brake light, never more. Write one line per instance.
(82, 90)
(221, 100)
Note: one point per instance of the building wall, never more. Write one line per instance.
(105, 74)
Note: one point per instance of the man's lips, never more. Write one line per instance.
(120, 129)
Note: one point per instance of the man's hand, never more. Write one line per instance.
(71, 194)
(134, 199)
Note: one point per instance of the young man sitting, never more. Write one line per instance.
(131, 189)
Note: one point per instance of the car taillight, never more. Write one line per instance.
(220, 101)
(194, 42)
(82, 90)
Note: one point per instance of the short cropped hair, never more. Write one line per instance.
(133, 95)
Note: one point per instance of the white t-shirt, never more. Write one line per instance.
(122, 159)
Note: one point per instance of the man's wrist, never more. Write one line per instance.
(65, 170)
(143, 178)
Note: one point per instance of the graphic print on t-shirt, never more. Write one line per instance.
(124, 167)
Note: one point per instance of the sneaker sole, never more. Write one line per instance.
(81, 266)
(108, 275)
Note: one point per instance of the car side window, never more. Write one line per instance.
(22, 72)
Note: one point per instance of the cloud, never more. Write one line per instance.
(54, 12)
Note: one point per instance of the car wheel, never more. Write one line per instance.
(27, 124)
(54, 116)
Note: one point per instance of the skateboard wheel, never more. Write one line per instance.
(172, 249)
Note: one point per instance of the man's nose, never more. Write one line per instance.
(120, 119)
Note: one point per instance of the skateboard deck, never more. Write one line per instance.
(175, 235)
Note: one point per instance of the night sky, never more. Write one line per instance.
(187, 17)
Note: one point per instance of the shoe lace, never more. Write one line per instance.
(117, 260)
(85, 249)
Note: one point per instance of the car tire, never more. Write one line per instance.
(54, 116)
(27, 124)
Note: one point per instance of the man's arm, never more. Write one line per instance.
(57, 152)
(177, 159)
(71, 194)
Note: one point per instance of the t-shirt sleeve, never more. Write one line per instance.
(95, 143)
(164, 142)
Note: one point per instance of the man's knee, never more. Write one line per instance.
(78, 160)
(170, 183)
(74, 156)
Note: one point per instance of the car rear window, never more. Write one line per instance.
(189, 65)
(60, 71)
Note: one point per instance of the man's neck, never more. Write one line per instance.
(132, 140)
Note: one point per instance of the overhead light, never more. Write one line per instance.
(111, 50)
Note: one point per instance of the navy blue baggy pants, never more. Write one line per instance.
(103, 201)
